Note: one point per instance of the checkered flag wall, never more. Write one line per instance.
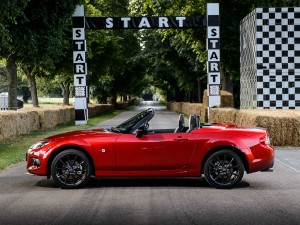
(270, 59)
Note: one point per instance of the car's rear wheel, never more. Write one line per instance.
(71, 169)
(224, 169)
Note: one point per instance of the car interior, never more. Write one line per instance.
(139, 124)
(194, 123)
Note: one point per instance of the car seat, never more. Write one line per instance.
(181, 125)
(194, 122)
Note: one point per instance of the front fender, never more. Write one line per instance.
(66, 144)
(59, 146)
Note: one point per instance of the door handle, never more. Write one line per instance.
(181, 139)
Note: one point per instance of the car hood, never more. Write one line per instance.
(81, 134)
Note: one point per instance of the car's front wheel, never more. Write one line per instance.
(71, 169)
(224, 169)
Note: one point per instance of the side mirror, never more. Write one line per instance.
(141, 131)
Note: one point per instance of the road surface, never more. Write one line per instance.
(261, 198)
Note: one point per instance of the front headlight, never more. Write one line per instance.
(40, 144)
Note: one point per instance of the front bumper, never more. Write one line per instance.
(36, 163)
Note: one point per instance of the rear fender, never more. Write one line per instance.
(236, 145)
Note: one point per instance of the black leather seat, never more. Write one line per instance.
(194, 122)
(181, 125)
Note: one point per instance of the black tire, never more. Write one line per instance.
(71, 169)
(224, 169)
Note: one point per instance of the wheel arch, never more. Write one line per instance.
(235, 150)
(68, 147)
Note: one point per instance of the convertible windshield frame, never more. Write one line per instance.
(130, 125)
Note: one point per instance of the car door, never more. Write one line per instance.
(154, 151)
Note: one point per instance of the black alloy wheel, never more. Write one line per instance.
(224, 169)
(71, 169)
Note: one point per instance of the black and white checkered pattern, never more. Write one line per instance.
(270, 51)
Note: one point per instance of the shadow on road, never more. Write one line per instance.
(141, 182)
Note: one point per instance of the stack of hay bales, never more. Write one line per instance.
(175, 106)
(97, 109)
(200, 109)
(226, 115)
(226, 99)
(283, 125)
(191, 108)
(13, 123)
(51, 117)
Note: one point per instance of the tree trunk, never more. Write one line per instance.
(65, 92)
(12, 83)
(179, 95)
(26, 94)
(114, 99)
(32, 83)
(226, 82)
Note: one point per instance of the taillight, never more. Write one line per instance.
(265, 140)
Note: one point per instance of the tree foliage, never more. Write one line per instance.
(35, 35)
(190, 45)
(115, 68)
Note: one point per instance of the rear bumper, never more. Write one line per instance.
(263, 158)
(269, 169)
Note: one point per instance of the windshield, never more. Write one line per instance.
(130, 124)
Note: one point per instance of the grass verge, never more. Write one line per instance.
(13, 150)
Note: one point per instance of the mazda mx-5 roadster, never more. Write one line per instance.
(221, 153)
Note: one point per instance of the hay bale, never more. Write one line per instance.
(283, 125)
(203, 114)
(13, 123)
(185, 108)
(97, 109)
(49, 118)
(246, 118)
(205, 99)
(226, 99)
(195, 108)
(223, 115)
(177, 106)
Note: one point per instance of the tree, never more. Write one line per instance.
(114, 68)
(37, 38)
(180, 52)
(22, 85)
(10, 10)
(3, 78)
(64, 77)
(11, 13)
(231, 13)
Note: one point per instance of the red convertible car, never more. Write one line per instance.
(220, 152)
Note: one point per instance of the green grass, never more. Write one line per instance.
(13, 150)
(163, 102)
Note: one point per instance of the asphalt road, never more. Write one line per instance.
(261, 198)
